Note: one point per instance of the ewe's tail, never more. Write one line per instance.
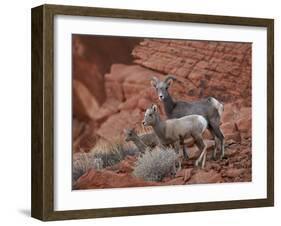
(217, 105)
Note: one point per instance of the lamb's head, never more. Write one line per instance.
(151, 115)
(130, 134)
(162, 87)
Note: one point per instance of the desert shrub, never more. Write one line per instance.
(155, 165)
(82, 162)
(112, 153)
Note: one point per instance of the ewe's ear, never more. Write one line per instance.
(154, 81)
(169, 80)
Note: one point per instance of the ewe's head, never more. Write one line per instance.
(150, 116)
(162, 87)
(130, 134)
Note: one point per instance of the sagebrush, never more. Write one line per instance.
(155, 165)
(82, 162)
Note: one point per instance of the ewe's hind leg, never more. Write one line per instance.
(202, 147)
(217, 131)
(214, 155)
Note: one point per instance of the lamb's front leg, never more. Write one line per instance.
(184, 150)
(177, 147)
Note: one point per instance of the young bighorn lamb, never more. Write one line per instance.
(174, 131)
(142, 141)
(209, 108)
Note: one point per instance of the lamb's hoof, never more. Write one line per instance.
(186, 158)
(196, 163)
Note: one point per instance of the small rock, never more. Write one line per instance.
(228, 127)
(232, 173)
(201, 177)
(175, 181)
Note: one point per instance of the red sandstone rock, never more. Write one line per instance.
(144, 103)
(108, 179)
(185, 174)
(175, 181)
(125, 166)
(193, 152)
(234, 172)
(201, 177)
(113, 127)
(244, 124)
(228, 128)
(234, 137)
(88, 75)
(229, 113)
(84, 103)
(217, 63)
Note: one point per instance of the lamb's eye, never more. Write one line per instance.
(150, 115)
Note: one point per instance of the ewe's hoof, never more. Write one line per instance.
(223, 157)
(214, 158)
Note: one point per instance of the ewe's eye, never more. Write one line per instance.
(150, 115)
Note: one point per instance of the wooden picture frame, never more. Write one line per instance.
(42, 203)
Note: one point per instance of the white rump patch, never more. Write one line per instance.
(217, 104)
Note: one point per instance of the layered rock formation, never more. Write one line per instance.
(220, 69)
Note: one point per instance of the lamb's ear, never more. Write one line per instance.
(154, 107)
(154, 81)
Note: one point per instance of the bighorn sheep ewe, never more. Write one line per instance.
(174, 131)
(209, 108)
(142, 141)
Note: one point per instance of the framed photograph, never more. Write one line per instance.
(141, 112)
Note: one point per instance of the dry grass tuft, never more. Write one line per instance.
(102, 155)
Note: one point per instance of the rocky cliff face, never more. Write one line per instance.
(111, 87)
(219, 69)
